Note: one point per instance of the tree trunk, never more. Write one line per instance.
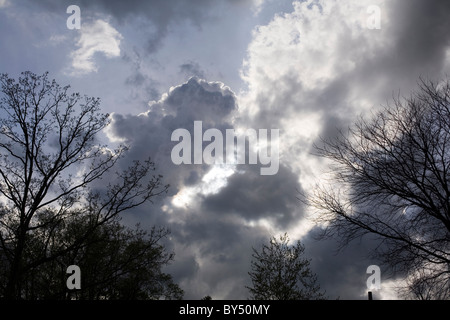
(13, 286)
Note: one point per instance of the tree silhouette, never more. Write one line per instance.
(49, 162)
(279, 272)
(392, 180)
(116, 263)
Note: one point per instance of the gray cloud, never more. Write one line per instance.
(191, 69)
(149, 134)
(421, 36)
(253, 197)
(350, 71)
(324, 66)
(213, 235)
(342, 271)
(222, 250)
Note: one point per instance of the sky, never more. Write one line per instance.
(303, 68)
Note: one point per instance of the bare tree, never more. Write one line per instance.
(391, 179)
(280, 272)
(49, 161)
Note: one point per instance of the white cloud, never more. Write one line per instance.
(257, 6)
(291, 67)
(212, 182)
(96, 37)
(57, 39)
(314, 46)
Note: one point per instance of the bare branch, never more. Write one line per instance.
(393, 182)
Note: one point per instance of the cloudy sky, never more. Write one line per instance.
(306, 68)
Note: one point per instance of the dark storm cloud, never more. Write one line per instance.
(418, 45)
(211, 102)
(149, 134)
(421, 36)
(253, 197)
(222, 247)
(212, 236)
(218, 228)
(413, 41)
(342, 272)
